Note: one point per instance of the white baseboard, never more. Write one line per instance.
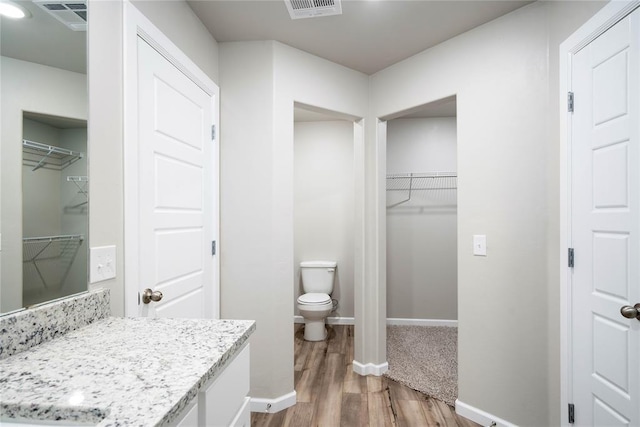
(479, 416)
(370, 368)
(422, 322)
(390, 321)
(273, 405)
(330, 320)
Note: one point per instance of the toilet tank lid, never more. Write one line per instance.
(318, 264)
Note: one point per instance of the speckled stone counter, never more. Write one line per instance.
(21, 330)
(120, 371)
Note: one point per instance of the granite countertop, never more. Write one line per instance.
(119, 371)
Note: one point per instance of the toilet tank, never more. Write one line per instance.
(317, 276)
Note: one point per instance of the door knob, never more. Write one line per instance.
(148, 295)
(631, 312)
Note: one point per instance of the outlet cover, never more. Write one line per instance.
(102, 264)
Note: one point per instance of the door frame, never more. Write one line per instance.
(136, 25)
(606, 18)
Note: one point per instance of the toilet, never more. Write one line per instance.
(316, 304)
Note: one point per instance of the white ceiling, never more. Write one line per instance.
(43, 40)
(369, 35)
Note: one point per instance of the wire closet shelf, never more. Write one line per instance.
(46, 156)
(424, 181)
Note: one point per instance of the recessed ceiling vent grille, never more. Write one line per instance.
(313, 8)
(71, 13)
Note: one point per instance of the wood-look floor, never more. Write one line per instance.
(330, 394)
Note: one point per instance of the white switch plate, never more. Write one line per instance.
(480, 245)
(103, 263)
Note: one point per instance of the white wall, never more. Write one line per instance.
(324, 208)
(422, 269)
(501, 76)
(105, 44)
(260, 81)
(37, 88)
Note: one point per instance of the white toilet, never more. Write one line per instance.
(316, 304)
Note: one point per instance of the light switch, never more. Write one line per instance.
(103, 263)
(480, 245)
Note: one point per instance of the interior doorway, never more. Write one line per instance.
(325, 203)
(421, 248)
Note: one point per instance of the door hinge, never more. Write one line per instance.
(213, 247)
(570, 102)
(571, 257)
(572, 413)
(213, 132)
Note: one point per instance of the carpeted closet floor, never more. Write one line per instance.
(425, 358)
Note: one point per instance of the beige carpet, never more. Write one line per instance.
(425, 358)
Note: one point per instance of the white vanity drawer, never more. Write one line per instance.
(225, 396)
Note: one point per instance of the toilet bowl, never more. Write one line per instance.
(316, 303)
(315, 308)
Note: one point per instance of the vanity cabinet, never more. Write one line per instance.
(223, 401)
(189, 417)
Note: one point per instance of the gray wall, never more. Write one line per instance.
(502, 154)
(422, 268)
(323, 207)
(260, 82)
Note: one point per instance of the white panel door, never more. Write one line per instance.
(605, 228)
(176, 213)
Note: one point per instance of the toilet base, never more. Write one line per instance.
(314, 330)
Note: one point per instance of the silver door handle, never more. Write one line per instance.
(631, 312)
(148, 295)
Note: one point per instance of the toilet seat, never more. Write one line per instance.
(314, 298)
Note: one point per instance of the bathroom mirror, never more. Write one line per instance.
(43, 154)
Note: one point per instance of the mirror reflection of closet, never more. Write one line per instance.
(55, 195)
(43, 70)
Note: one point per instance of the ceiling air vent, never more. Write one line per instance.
(71, 13)
(313, 8)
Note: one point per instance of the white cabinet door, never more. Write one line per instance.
(190, 417)
(221, 404)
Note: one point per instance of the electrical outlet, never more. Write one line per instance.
(102, 264)
(480, 245)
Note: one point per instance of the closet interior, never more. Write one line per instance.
(421, 200)
(55, 196)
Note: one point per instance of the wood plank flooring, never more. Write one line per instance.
(330, 394)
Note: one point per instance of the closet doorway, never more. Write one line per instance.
(421, 248)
